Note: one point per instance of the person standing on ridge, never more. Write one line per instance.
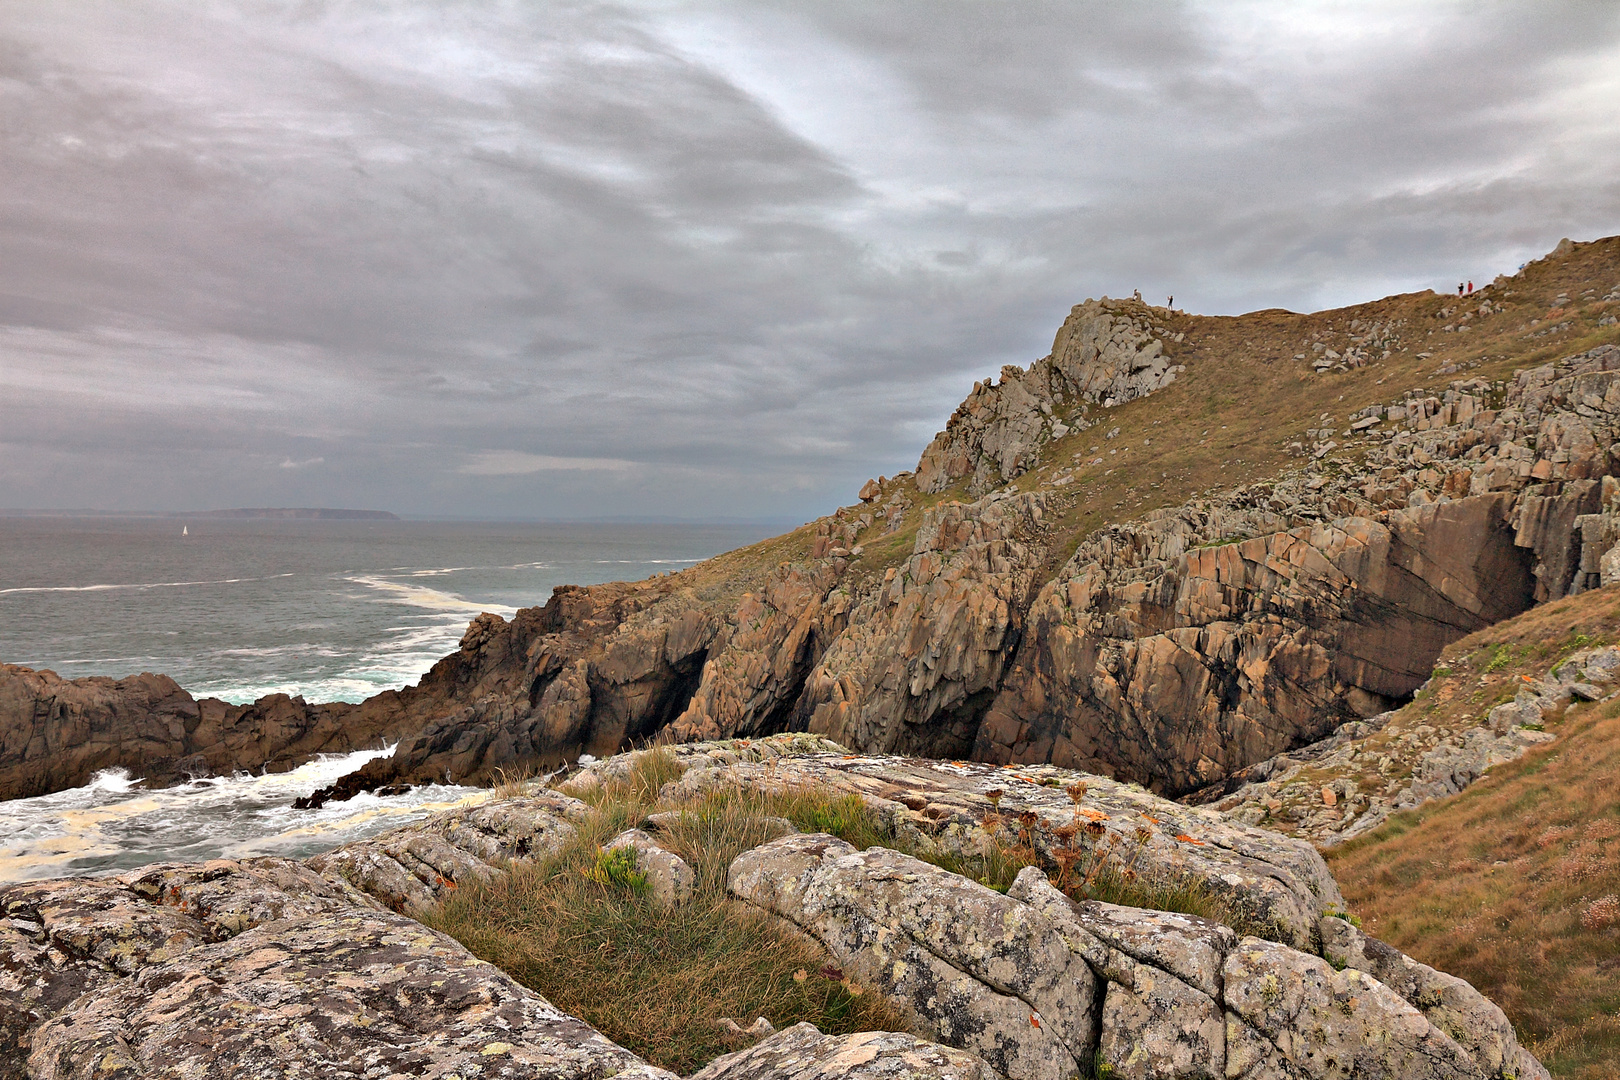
(1170, 303)
(1470, 288)
(1459, 288)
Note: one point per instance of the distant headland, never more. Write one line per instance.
(318, 513)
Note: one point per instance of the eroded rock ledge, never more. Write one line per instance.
(273, 968)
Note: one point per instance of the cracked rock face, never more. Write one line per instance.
(803, 1053)
(920, 656)
(360, 993)
(1036, 984)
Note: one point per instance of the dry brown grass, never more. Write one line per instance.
(653, 978)
(1514, 885)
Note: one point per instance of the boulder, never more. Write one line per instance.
(804, 1053)
(956, 957)
(1039, 985)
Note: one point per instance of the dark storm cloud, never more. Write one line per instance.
(698, 259)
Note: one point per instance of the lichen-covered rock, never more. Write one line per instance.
(363, 993)
(415, 865)
(669, 878)
(1158, 1027)
(1279, 886)
(1158, 995)
(68, 937)
(1327, 1023)
(803, 1053)
(974, 969)
(1476, 1023)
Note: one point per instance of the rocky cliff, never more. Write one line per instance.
(55, 733)
(1172, 548)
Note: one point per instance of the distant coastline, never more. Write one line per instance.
(301, 513)
(306, 513)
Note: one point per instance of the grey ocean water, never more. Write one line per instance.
(332, 610)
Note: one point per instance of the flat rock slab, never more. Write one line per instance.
(417, 865)
(358, 994)
(803, 1053)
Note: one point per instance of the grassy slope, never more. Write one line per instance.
(1497, 885)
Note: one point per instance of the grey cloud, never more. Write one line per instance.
(702, 258)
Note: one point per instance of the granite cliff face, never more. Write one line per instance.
(1173, 649)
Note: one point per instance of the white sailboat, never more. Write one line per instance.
(185, 530)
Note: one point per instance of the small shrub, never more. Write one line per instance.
(1602, 912)
(617, 868)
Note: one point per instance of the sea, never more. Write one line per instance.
(333, 610)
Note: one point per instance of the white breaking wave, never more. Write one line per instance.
(432, 599)
(132, 585)
(403, 656)
(111, 823)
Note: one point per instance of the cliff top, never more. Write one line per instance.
(1253, 389)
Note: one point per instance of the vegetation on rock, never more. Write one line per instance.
(1512, 884)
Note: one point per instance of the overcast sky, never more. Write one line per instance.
(704, 260)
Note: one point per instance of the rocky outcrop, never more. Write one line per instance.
(1106, 352)
(1278, 887)
(1041, 986)
(1185, 646)
(592, 671)
(56, 733)
(267, 967)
